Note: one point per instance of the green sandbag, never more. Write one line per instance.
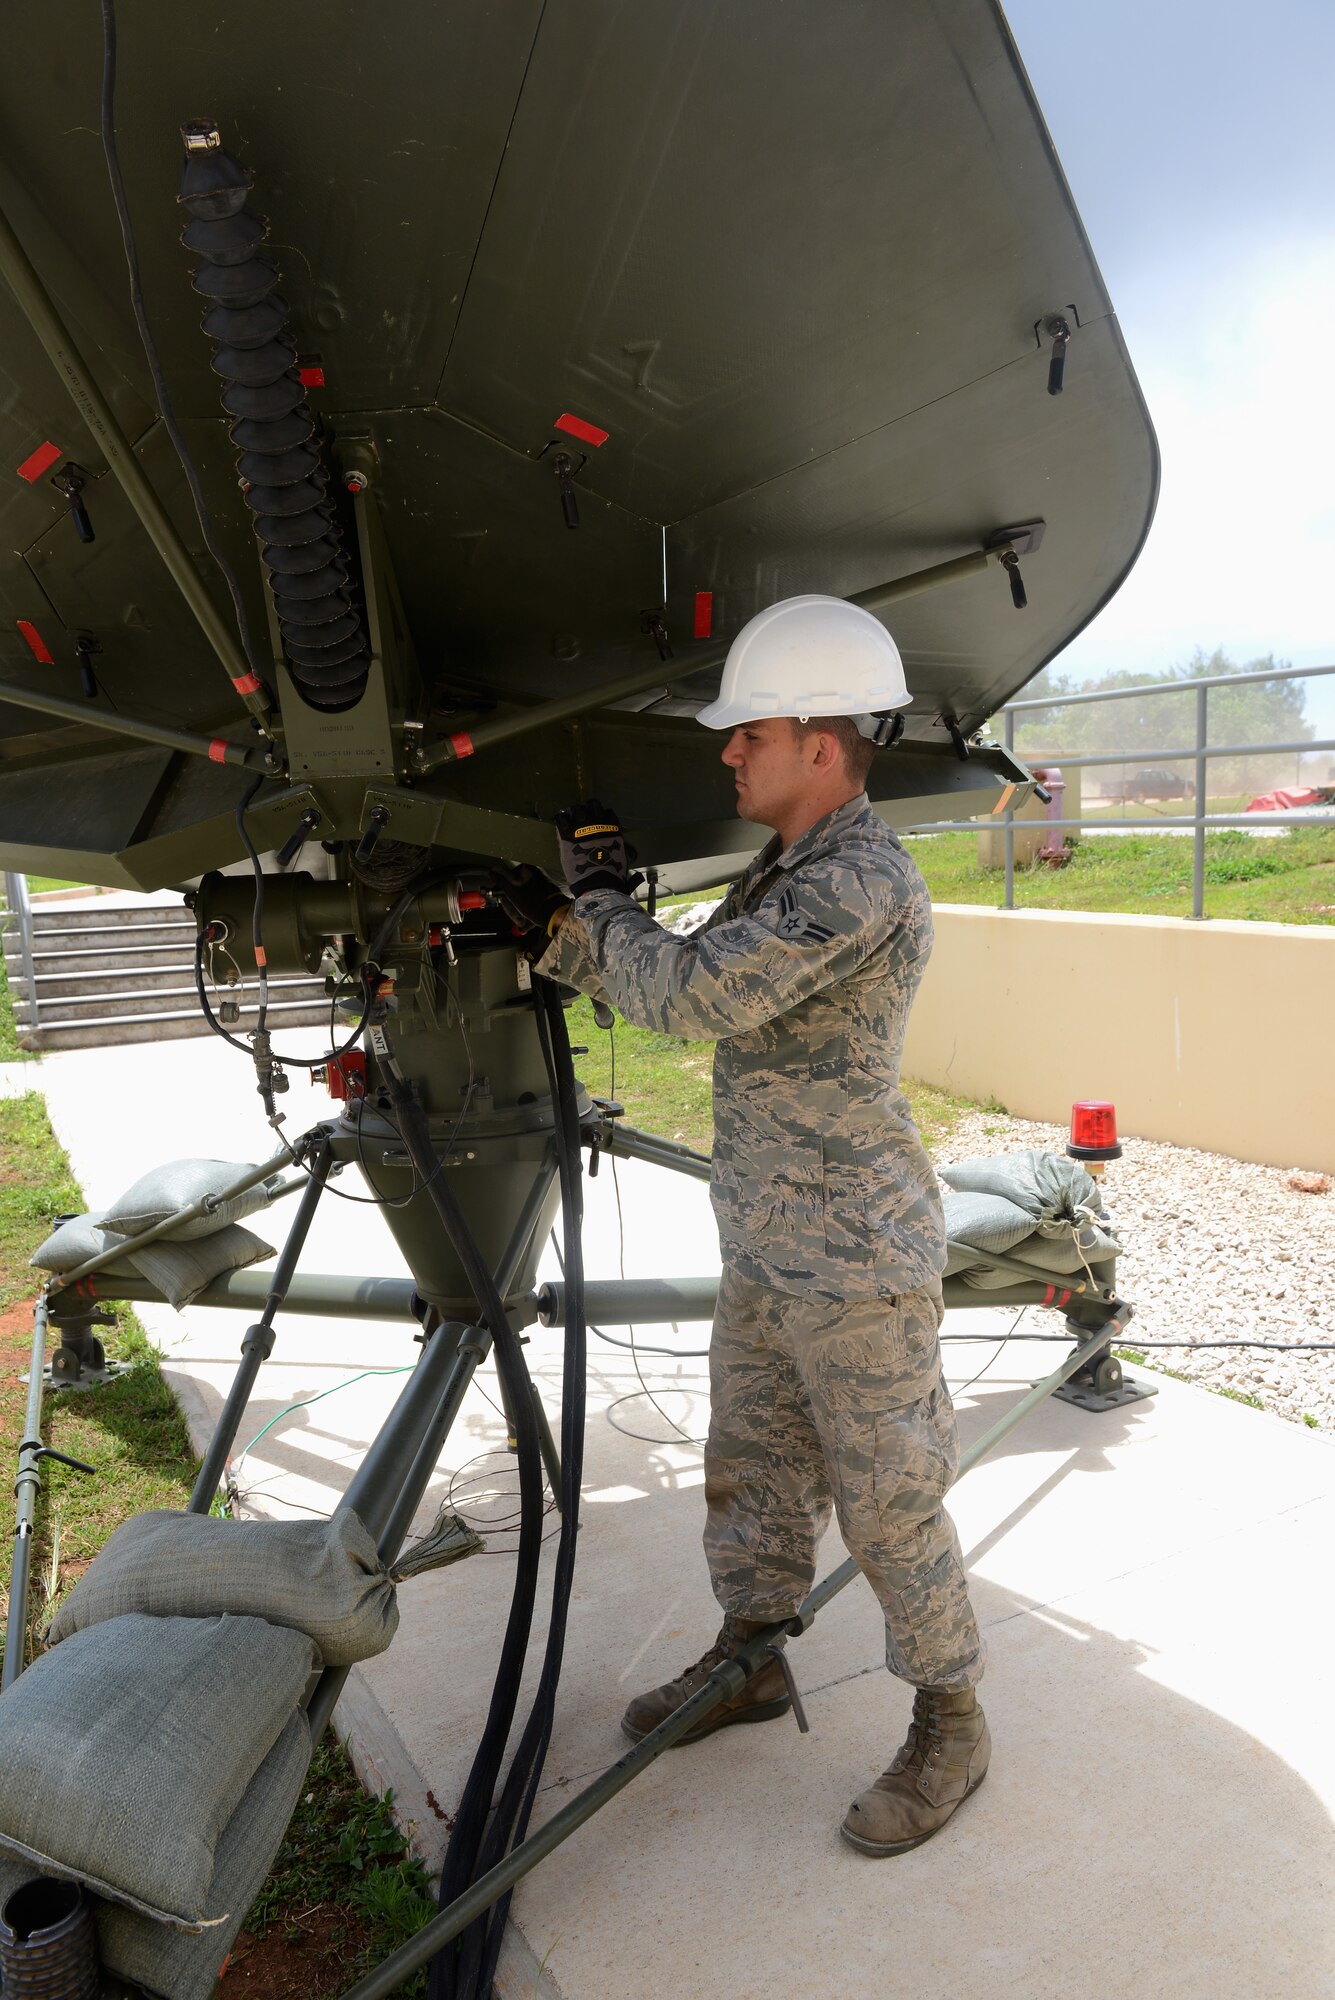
(127, 1749)
(319, 1577)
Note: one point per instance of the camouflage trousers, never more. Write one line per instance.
(821, 1406)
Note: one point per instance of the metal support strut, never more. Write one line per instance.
(257, 1345)
(27, 1486)
(414, 1434)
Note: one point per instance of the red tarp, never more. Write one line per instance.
(1274, 802)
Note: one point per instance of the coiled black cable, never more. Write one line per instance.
(150, 347)
(284, 481)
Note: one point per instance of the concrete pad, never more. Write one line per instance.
(1153, 1585)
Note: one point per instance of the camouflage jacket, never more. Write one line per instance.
(804, 976)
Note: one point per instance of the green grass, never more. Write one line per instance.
(9, 1035)
(343, 1850)
(131, 1431)
(1289, 878)
(39, 884)
(1142, 1360)
(36, 1186)
(664, 1082)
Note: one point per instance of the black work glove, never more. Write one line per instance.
(532, 903)
(593, 848)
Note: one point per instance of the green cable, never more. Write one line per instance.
(317, 1398)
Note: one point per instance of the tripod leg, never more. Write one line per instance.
(473, 1349)
(258, 1343)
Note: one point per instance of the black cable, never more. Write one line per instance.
(467, 1834)
(1125, 1339)
(638, 1347)
(1001, 1347)
(369, 967)
(643, 1437)
(473, 1973)
(160, 389)
(257, 909)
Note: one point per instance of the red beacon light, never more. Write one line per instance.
(1093, 1137)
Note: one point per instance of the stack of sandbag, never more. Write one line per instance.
(155, 1751)
(181, 1264)
(1038, 1208)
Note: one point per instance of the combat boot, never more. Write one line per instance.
(764, 1697)
(943, 1759)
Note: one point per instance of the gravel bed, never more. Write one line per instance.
(1216, 1249)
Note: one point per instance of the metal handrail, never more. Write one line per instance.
(19, 906)
(1171, 687)
(1201, 754)
(1036, 757)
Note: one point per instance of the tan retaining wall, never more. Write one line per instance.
(1218, 1035)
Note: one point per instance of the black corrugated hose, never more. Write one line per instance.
(466, 1969)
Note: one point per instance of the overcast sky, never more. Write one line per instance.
(1199, 140)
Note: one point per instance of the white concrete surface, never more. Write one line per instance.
(1154, 1584)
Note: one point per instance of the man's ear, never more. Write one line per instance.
(828, 750)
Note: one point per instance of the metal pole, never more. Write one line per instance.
(1178, 756)
(463, 743)
(1166, 822)
(729, 1679)
(642, 1301)
(36, 304)
(656, 1152)
(1174, 687)
(27, 1486)
(257, 1345)
(427, 1405)
(1200, 802)
(1009, 737)
(20, 908)
(375, 1485)
(322, 1295)
(388, 1511)
(216, 748)
(473, 1350)
(476, 1344)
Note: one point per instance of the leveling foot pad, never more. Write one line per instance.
(89, 1378)
(1101, 1385)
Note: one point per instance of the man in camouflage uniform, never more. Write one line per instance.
(825, 1367)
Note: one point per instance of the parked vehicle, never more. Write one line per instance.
(1155, 781)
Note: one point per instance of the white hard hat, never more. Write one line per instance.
(810, 656)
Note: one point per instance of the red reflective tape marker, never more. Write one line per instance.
(246, 684)
(462, 744)
(260, 958)
(41, 461)
(312, 376)
(218, 748)
(576, 427)
(1049, 1294)
(704, 613)
(34, 641)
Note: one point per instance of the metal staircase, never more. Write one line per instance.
(109, 969)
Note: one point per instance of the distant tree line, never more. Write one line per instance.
(1258, 712)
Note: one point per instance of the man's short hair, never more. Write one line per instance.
(859, 750)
